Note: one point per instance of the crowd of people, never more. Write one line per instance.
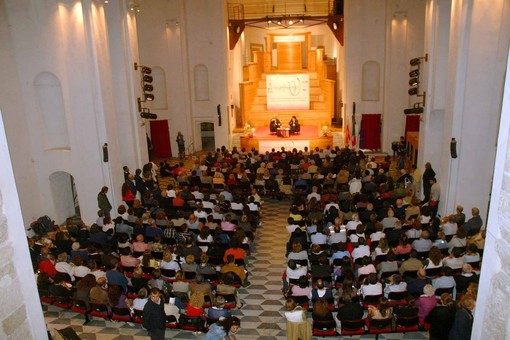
(366, 246)
(359, 236)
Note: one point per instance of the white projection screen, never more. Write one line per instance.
(288, 91)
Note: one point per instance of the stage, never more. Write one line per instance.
(264, 141)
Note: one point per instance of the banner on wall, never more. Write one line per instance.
(288, 92)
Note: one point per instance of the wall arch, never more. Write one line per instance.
(160, 96)
(50, 102)
(201, 77)
(64, 194)
(370, 82)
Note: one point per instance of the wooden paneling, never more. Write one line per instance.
(289, 56)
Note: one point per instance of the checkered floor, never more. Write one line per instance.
(262, 316)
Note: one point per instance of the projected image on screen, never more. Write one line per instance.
(288, 92)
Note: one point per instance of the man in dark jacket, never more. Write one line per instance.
(103, 203)
(154, 319)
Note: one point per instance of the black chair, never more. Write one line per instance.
(353, 327)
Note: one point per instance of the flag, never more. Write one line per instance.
(347, 137)
(353, 138)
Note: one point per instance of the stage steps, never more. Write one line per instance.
(316, 115)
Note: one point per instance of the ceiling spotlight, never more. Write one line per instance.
(147, 79)
(146, 70)
(279, 22)
(301, 20)
(106, 1)
(335, 26)
(149, 96)
(148, 87)
(291, 22)
(269, 21)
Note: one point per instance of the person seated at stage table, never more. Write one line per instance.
(294, 125)
(274, 124)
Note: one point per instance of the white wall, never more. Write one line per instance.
(199, 38)
(471, 102)
(70, 40)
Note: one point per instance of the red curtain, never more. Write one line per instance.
(160, 137)
(370, 132)
(412, 123)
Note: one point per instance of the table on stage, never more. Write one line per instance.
(283, 132)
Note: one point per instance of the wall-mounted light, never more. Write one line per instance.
(147, 114)
(414, 82)
(146, 84)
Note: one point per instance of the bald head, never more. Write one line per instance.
(101, 281)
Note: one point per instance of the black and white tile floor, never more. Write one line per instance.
(262, 316)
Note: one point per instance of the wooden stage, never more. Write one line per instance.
(264, 141)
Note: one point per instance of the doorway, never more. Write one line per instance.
(160, 138)
(207, 136)
(65, 196)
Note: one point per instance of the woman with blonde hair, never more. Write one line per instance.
(382, 311)
(168, 261)
(195, 305)
(190, 265)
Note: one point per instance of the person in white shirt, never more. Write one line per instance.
(361, 250)
(141, 299)
(170, 192)
(396, 285)
(355, 185)
(79, 269)
(291, 227)
(371, 286)
(353, 223)
(338, 233)
(449, 226)
(314, 193)
(319, 237)
(63, 267)
(200, 212)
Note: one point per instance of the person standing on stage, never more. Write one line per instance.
(294, 125)
(180, 145)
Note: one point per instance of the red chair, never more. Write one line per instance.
(80, 306)
(64, 302)
(121, 314)
(371, 300)
(45, 296)
(100, 310)
(324, 328)
(138, 316)
(407, 324)
(379, 326)
(230, 300)
(191, 323)
(397, 298)
(171, 322)
(353, 327)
